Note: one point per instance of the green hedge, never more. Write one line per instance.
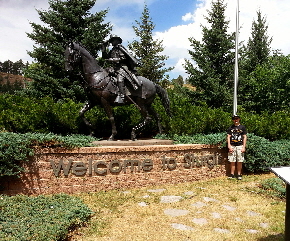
(16, 148)
(22, 114)
(261, 154)
(40, 218)
(274, 187)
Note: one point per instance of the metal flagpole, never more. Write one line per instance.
(235, 102)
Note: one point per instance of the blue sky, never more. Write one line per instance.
(175, 21)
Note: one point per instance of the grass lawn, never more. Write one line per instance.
(226, 209)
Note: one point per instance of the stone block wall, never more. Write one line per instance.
(92, 169)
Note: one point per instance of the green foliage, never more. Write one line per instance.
(267, 87)
(262, 154)
(40, 218)
(63, 22)
(272, 126)
(275, 187)
(22, 114)
(258, 46)
(16, 148)
(211, 68)
(188, 119)
(148, 51)
(210, 139)
(13, 67)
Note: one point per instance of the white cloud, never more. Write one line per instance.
(15, 16)
(277, 15)
(187, 17)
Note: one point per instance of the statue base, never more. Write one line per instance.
(128, 142)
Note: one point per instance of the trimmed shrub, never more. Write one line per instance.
(275, 187)
(40, 218)
(261, 153)
(16, 148)
(21, 114)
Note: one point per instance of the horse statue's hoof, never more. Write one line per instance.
(133, 137)
(111, 138)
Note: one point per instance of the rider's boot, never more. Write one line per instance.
(121, 94)
(136, 82)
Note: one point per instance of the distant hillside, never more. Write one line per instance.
(11, 79)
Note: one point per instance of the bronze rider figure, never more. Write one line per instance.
(124, 65)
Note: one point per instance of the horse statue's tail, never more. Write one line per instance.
(162, 93)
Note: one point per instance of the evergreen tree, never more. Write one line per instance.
(7, 67)
(178, 81)
(254, 58)
(18, 67)
(13, 68)
(212, 68)
(64, 21)
(258, 47)
(149, 50)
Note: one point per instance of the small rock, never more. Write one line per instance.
(170, 199)
(209, 199)
(156, 190)
(199, 204)
(189, 193)
(199, 221)
(216, 215)
(252, 214)
(252, 231)
(142, 204)
(221, 230)
(239, 220)
(176, 212)
(264, 225)
(181, 226)
(229, 208)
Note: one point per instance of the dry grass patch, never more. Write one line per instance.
(230, 210)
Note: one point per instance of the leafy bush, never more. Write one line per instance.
(261, 153)
(210, 139)
(272, 126)
(275, 186)
(16, 148)
(22, 114)
(40, 218)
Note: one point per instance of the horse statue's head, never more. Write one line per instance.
(72, 56)
(77, 56)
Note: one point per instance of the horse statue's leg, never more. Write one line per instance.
(109, 112)
(145, 113)
(82, 112)
(157, 118)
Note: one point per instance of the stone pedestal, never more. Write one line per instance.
(122, 166)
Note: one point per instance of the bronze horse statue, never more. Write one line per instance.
(102, 90)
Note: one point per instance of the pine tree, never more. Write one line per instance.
(256, 93)
(149, 50)
(63, 22)
(212, 67)
(258, 46)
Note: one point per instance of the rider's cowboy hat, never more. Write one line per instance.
(115, 37)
